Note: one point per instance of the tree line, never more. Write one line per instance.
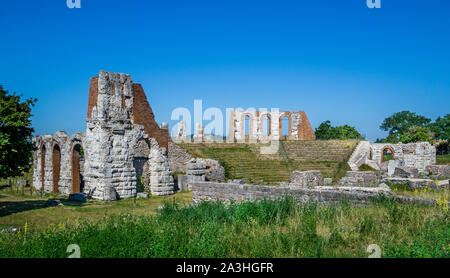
(404, 126)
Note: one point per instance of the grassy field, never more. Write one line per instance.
(17, 209)
(443, 159)
(262, 229)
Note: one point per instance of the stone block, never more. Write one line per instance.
(307, 178)
(327, 181)
(78, 197)
(406, 172)
(438, 171)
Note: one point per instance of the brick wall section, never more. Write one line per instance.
(93, 94)
(305, 131)
(142, 114)
(225, 192)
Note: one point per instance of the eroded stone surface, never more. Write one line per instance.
(108, 160)
(306, 178)
(438, 171)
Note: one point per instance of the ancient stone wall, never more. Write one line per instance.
(110, 158)
(47, 147)
(141, 111)
(412, 155)
(226, 192)
(179, 158)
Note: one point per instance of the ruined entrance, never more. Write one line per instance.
(56, 167)
(387, 153)
(285, 126)
(266, 124)
(76, 175)
(141, 163)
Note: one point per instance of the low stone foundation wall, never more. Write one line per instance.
(360, 178)
(438, 171)
(226, 192)
(413, 183)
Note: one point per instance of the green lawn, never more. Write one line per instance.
(443, 159)
(17, 209)
(261, 229)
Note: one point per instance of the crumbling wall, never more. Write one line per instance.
(414, 155)
(141, 112)
(111, 140)
(109, 159)
(411, 155)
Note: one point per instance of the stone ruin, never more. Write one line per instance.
(413, 155)
(123, 150)
(299, 128)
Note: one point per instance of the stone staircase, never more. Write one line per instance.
(318, 150)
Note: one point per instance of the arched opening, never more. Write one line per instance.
(247, 126)
(56, 167)
(77, 181)
(140, 159)
(387, 153)
(370, 154)
(43, 153)
(285, 126)
(267, 123)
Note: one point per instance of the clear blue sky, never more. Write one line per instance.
(335, 59)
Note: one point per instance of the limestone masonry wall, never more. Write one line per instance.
(226, 192)
(412, 155)
(122, 143)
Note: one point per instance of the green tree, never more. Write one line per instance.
(400, 123)
(327, 132)
(417, 134)
(15, 134)
(441, 128)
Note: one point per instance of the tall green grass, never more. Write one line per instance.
(281, 228)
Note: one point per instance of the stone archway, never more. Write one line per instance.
(283, 116)
(141, 163)
(76, 175)
(56, 167)
(43, 153)
(388, 149)
(266, 118)
(244, 126)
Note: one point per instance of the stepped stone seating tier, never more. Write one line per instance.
(330, 150)
(245, 161)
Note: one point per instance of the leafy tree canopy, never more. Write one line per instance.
(327, 132)
(417, 134)
(400, 123)
(15, 134)
(441, 128)
(406, 126)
